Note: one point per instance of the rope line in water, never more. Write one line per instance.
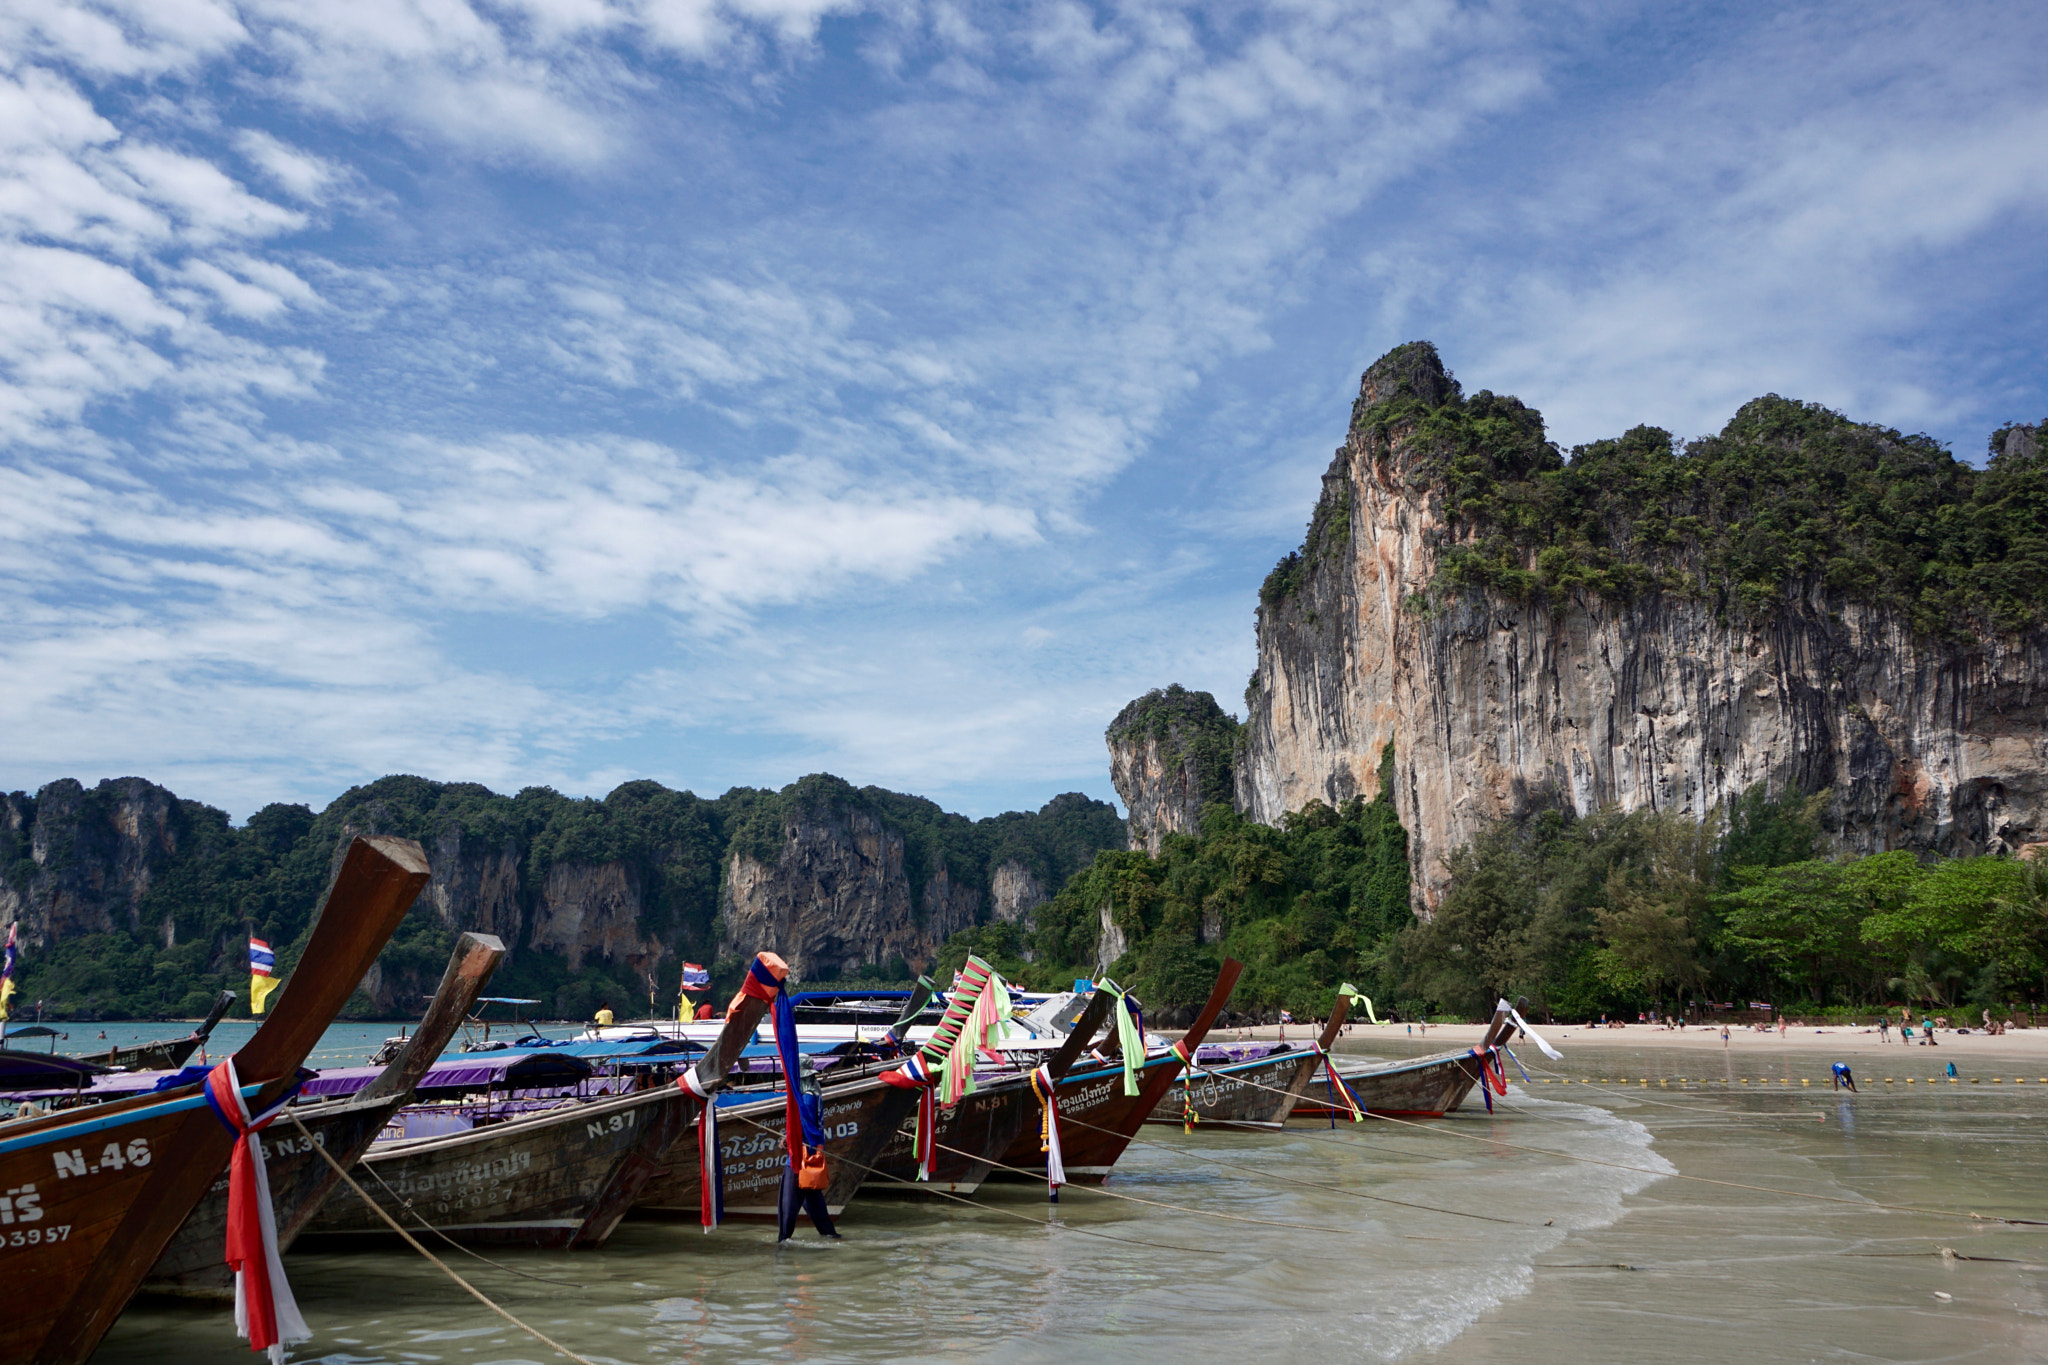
(437, 1262)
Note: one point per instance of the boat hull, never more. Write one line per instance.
(546, 1180)
(1096, 1124)
(971, 1137)
(1256, 1094)
(1421, 1087)
(192, 1265)
(859, 1118)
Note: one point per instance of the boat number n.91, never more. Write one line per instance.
(113, 1157)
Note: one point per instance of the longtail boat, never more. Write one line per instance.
(170, 1054)
(93, 1195)
(560, 1177)
(860, 1114)
(1098, 1118)
(1417, 1087)
(299, 1179)
(1247, 1085)
(975, 1134)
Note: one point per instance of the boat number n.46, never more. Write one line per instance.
(113, 1157)
(617, 1123)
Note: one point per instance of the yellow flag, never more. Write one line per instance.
(260, 988)
(6, 994)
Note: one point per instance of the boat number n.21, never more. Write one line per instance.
(113, 1157)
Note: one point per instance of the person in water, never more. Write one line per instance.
(604, 1015)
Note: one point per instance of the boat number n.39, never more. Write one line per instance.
(113, 1157)
(617, 1123)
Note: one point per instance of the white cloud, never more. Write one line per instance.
(1785, 218)
(298, 173)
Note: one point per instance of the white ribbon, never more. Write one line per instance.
(291, 1325)
(1535, 1037)
(1049, 1110)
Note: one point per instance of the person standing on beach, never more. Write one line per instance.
(1884, 1028)
(1724, 1035)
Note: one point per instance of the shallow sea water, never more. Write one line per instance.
(1521, 1253)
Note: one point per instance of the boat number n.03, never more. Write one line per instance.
(617, 1123)
(113, 1157)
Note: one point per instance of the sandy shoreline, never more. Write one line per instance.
(2031, 1044)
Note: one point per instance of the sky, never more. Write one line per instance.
(564, 392)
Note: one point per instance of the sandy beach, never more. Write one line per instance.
(2028, 1045)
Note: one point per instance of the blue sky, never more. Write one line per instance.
(569, 391)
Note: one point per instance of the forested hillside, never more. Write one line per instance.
(135, 903)
(1612, 912)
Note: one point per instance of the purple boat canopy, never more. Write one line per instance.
(464, 1071)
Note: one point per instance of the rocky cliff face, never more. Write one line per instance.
(840, 897)
(1170, 754)
(81, 860)
(591, 897)
(1494, 705)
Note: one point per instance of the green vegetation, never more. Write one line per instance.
(1623, 912)
(1609, 913)
(1318, 900)
(222, 884)
(1789, 497)
(1190, 729)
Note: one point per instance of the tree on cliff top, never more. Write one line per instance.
(1190, 729)
(1788, 497)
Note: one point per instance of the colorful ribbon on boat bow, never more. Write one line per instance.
(1047, 1090)
(710, 1161)
(1130, 1037)
(1493, 1074)
(1515, 1018)
(1338, 1090)
(913, 1074)
(265, 1311)
(1358, 998)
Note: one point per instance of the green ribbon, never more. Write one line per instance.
(1132, 1039)
(1351, 993)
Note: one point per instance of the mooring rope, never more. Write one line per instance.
(437, 1262)
(407, 1205)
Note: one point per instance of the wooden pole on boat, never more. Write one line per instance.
(476, 956)
(1306, 1071)
(118, 1236)
(1160, 1079)
(1084, 1031)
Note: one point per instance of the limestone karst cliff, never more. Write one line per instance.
(1801, 601)
(131, 900)
(1170, 754)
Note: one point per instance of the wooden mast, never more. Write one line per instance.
(119, 1217)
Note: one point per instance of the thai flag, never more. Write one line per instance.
(261, 959)
(7, 973)
(695, 977)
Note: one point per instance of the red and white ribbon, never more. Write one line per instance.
(710, 1161)
(265, 1311)
(914, 1075)
(1047, 1090)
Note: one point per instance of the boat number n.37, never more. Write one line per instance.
(113, 1157)
(617, 1123)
